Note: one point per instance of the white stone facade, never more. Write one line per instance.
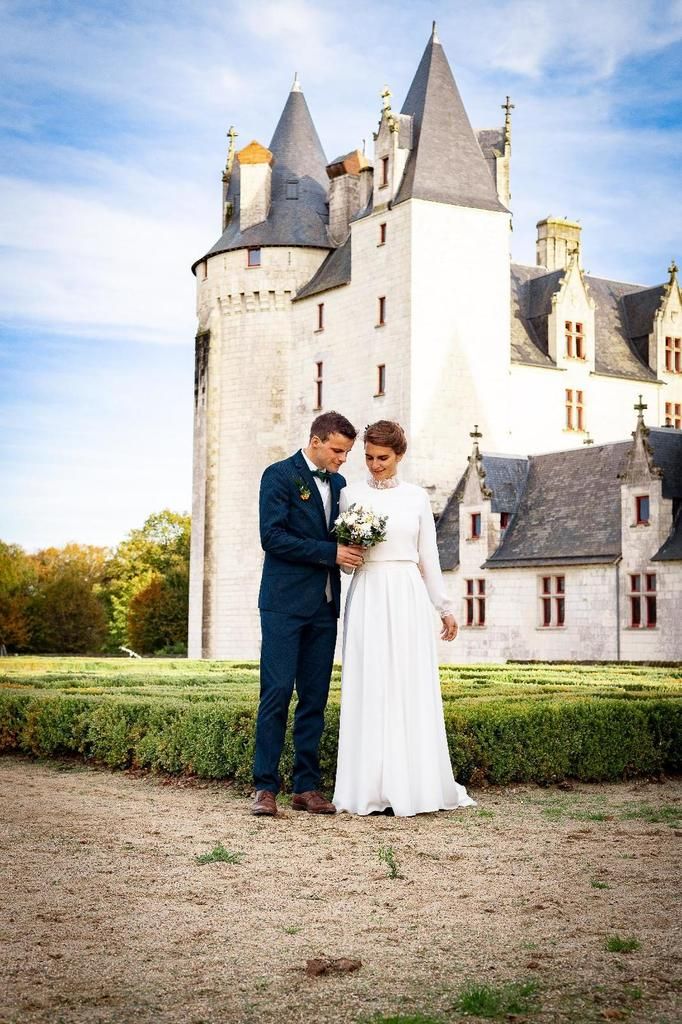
(428, 299)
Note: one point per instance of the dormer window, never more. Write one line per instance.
(292, 189)
(475, 525)
(253, 258)
(505, 519)
(642, 510)
(384, 172)
(673, 355)
(575, 340)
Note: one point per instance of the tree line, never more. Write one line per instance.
(82, 599)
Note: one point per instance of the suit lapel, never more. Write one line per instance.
(302, 467)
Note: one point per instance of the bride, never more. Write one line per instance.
(393, 751)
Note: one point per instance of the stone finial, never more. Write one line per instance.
(672, 270)
(296, 85)
(434, 34)
(639, 409)
(232, 134)
(476, 460)
(386, 99)
(588, 439)
(507, 106)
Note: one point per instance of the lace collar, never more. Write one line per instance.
(383, 485)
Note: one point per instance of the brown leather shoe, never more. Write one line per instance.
(312, 802)
(264, 804)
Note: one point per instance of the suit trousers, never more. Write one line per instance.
(295, 651)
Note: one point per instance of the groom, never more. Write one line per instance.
(299, 603)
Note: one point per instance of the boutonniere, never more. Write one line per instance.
(303, 489)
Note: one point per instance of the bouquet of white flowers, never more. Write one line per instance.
(359, 525)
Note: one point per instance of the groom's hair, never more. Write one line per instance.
(332, 423)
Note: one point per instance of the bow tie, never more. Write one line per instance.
(321, 474)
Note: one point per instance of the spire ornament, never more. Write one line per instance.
(232, 134)
(507, 106)
(386, 99)
(476, 461)
(672, 270)
(296, 85)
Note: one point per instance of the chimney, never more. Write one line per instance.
(558, 240)
(348, 192)
(255, 184)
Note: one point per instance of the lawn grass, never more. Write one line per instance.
(518, 722)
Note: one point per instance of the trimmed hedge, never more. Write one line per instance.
(517, 723)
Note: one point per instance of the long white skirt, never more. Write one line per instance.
(393, 749)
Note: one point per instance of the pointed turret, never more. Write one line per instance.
(446, 164)
(297, 208)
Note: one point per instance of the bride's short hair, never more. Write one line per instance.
(386, 434)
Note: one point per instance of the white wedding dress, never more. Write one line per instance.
(393, 749)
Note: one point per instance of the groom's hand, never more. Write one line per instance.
(349, 555)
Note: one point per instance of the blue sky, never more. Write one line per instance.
(113, 120)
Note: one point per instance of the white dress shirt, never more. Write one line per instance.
(324, 487)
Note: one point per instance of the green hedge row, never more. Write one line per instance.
(588, 738)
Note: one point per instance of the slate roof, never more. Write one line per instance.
(298, 156)
(620, 311)
(566, 505)
(334, 272)
(506, 477)
(446, 164)
(671, 551)
(570, 510)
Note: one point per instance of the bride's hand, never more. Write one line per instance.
(449, 631)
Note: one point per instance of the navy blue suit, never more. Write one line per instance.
(298, 623)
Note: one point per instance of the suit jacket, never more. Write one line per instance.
(299, 550)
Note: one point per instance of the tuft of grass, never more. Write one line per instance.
(496, 1001)
(219, 853)
(616, 944)
(411, 1018)
(388, 857)
(484, 813)
(666, 814)
(596, 884)
(293, 929)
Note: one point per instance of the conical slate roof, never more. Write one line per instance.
(446, 164)
(298, 158)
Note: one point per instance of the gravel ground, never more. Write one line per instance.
(107, 915)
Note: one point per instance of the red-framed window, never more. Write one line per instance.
(382, 234)
(475, 525)
(384, 172)
(575, 340)
(474, 602)
(673, 415)
(253, 257)
(643, 600)
(552, 601)
(319, 368)
(673, 355)
(381, 380)
(642, 510)
(381, 311)
(575, 410)
(320, 316)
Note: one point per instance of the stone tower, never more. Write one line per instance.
(274, 239)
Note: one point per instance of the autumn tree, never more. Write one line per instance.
(17, 579)
(66, 609)
(148, 586)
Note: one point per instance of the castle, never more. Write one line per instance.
(385, 289)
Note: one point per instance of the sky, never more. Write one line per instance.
(112, 140)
